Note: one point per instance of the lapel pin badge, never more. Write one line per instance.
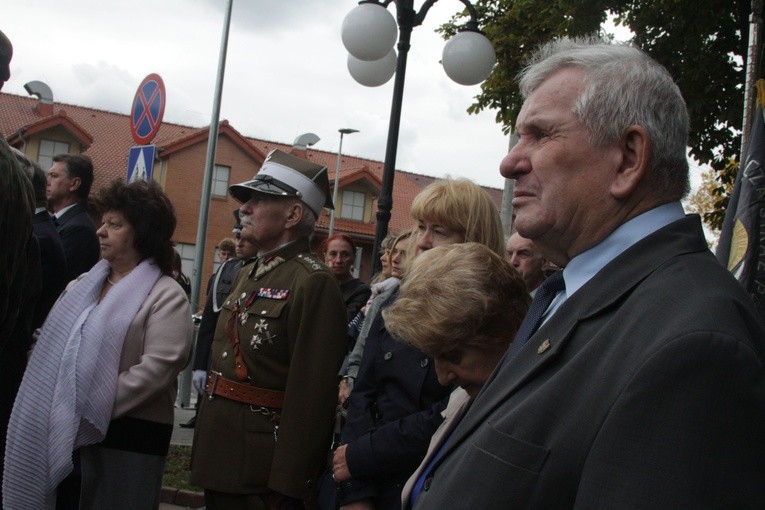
(544, 346)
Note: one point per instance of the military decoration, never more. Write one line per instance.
(262, 334)
(280, 294)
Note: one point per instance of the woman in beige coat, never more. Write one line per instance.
(101, 381)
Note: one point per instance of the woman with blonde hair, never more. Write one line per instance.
(396, 403)
(457, 211)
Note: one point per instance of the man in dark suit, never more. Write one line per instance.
(644, 385)
(69, 181)
(52, 258)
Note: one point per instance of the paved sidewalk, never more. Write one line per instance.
(182, 436)
(182, 500)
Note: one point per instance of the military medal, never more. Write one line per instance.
(261, 328)
(244, 315)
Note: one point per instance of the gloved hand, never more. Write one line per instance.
(199, 379)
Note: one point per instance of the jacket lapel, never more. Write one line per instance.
(68, 215)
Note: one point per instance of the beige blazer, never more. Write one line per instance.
(458, 404)
(157, 346)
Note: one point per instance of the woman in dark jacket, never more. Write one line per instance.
(396, 403)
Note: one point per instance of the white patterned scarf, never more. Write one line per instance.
(66, 396)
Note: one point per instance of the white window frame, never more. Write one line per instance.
(351, 208)
(57, 147)
(219, 186)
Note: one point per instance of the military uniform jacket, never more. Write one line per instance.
(292, 336)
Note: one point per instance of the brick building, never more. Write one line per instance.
(42, 129)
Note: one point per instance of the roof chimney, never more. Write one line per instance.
(44, 106)
(301, 144)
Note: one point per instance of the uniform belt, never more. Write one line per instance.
(232, 390)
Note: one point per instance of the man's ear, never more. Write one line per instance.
(294, 215)
(75, 184)
(635, 146)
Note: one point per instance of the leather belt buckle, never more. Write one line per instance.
(212, 384)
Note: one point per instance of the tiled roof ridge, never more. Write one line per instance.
(252, 139)
(58, 105)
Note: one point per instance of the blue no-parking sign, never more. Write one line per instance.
(141, 163)
(148, 109)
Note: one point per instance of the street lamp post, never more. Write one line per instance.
(368, 34)
(343, 131)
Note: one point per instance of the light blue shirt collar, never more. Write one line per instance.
(587, 264)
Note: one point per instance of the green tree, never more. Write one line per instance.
(703, 44)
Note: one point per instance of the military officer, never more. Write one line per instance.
(265, 424)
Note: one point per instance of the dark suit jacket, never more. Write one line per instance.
(394, 409)
(78, 235)
(53, 262)
(646, 389)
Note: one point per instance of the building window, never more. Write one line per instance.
(48, 149)
(353, 205)
(188, 254)
(220, 181)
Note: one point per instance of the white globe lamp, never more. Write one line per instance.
(369, 31)
(468, 57)
(375, 73)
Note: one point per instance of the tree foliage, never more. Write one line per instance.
(704, 200)
(703, 44)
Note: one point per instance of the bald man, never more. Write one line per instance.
(526, 258)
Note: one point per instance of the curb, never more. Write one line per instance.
(182, 497)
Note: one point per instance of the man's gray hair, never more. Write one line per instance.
(307, 224)
(624, 86)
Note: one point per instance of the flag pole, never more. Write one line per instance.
(754, 54)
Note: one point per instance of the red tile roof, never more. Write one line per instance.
(105, 137)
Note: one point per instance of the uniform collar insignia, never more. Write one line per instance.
(267, 265)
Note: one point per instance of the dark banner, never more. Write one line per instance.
(742, 240)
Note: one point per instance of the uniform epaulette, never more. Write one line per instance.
(310, 262)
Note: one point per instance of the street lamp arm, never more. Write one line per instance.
(420, 17)
(405, 8)
(473, 14)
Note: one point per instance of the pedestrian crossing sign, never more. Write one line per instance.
(141, 163)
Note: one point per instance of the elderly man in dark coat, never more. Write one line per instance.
(643, 387)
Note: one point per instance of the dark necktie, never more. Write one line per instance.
(542, 299)
(55, 220)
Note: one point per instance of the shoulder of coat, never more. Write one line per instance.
(311, 263)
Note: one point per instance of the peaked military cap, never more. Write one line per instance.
(286, 175)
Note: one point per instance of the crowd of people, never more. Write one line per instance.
(599, 357)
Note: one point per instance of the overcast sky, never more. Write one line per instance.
(285, 75)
